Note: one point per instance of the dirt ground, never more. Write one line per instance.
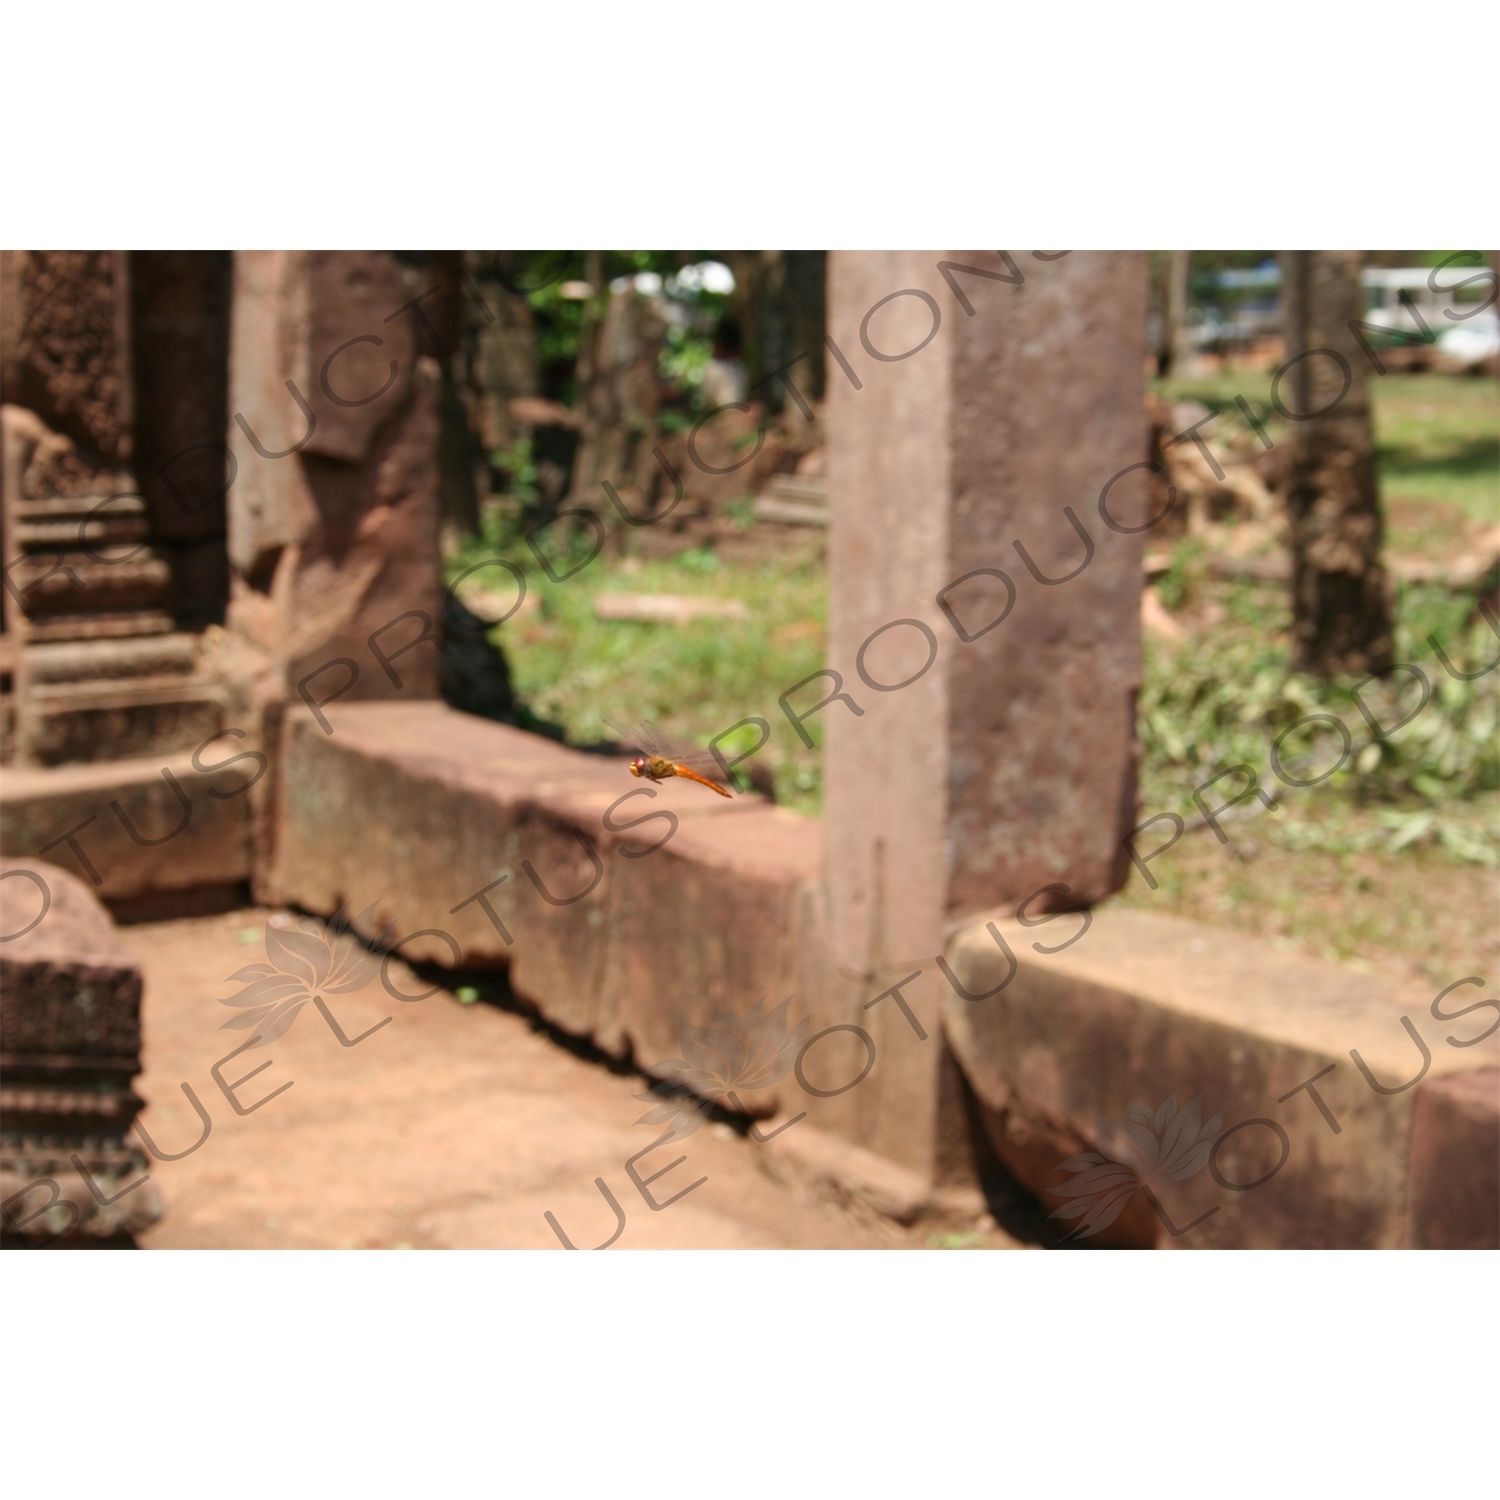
(1423, 918)
(455, 1126)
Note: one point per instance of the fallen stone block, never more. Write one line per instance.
(1308, 1080)
(70, 987)
(667, 609)
(70, 1000)
(789, 512)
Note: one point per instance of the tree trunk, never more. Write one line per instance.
(1341, 610)
(779, 299)
(500, 347)
(1176, 347)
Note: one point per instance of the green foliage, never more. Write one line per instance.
(1429, 768)
(741, 511)
(698, 560)
(560, 320)
(684, 358)
(519, 465)
(1223, 699)
(694, 681)
(1217, 390)
(971, 1241)
(697, 315)
(1172, 586)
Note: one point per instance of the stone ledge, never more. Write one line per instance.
(1145, 1006)
(411, 809)
(213, 848)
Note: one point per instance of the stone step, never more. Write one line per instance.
(794, 500)
(800, 489)
(76, 507)
(38, 806)
(67, 722)
(166, 656)
(106, 625)
(109, 578)
(93, 533)
(789, 513)
(1081, 1050)
(80, 523)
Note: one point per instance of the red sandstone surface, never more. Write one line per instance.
(456, 1126)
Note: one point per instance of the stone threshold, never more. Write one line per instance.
(1355, 1113)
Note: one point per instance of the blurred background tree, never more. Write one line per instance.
(1341, 597)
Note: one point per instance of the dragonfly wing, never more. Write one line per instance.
(701, 762)
(632, 739)
(655, 742)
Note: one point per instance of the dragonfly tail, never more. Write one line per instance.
(713, 786)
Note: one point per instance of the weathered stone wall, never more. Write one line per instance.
(65, 350)
(333, 518)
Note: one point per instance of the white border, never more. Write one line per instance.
(291, 123)
(745, 1373)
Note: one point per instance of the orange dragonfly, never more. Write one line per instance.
(657, 763)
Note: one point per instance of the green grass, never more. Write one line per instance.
(1218, 389)
(1437, 436)
(692, 681)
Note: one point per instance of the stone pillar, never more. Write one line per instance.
(987, 402)
(94, 572)
(334, 509)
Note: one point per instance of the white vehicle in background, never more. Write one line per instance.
(1465, 334)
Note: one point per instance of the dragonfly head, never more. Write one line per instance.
(638, 767)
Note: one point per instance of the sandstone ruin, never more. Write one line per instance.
(226, 635)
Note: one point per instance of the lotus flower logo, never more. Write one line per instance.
(749, 1051)
(304, 967)
(1151, 1150)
